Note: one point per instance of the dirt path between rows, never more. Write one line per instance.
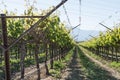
(94, 70)
(110, 70)
(84, 67)
(31, 72)
(73, 70)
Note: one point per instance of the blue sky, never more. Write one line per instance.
(92, 12)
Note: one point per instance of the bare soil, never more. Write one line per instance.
(110, 70)
(81, 67)
(84, 67)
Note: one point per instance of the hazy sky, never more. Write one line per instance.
(92, 11)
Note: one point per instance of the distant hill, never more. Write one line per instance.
(84, 34)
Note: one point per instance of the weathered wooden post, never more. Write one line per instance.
(5, 44)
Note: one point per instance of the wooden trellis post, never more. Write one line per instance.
(5, 44)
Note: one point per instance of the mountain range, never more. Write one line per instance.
(82, 35)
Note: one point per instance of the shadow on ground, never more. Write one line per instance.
(75, 69)
(88, 71)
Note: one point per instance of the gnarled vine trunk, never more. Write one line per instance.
(22, 58)
(46, 66)
(37, 61)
